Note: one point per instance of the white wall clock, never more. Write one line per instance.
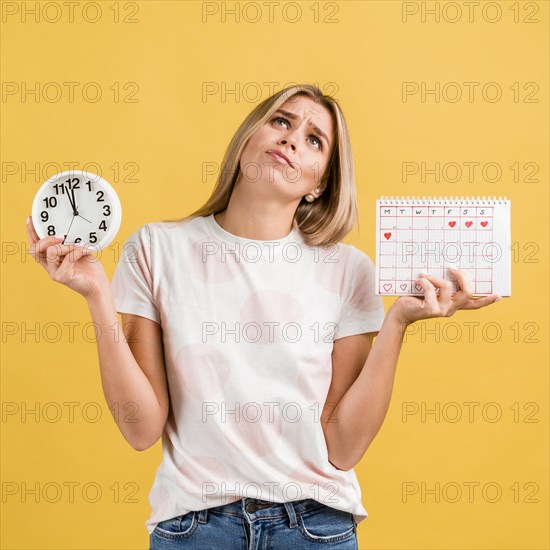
(79, 205)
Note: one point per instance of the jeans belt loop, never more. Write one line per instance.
(291, 514)
(203, 516)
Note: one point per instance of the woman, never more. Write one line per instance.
(249, 348)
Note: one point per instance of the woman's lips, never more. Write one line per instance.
(278, 158)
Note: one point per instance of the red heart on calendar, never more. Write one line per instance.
(387, 235)
(387, 286)
(468, 224)
(483, 224)
(403, 286)
(452, 224)
(418, 287)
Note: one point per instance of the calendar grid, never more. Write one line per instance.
(432, 235)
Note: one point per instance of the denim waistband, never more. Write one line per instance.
(254, 509)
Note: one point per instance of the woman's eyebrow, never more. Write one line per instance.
(311, 124)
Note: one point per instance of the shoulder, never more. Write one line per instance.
(175, 227)
(356, 257)
(161, 231)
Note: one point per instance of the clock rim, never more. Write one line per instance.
(114, 227)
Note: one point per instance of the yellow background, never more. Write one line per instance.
(362, 58)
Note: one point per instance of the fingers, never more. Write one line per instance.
(442, 304)
(445, 289)
(53, 256)
(445, 286)
(439, 282)
(64, 271)
(429, 290)
(463, 297)
(476, 303)
(463, 282)
(53, 260)
(38, 248)
(49, 253)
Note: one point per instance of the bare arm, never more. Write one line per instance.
(361, 411)
(132, 370)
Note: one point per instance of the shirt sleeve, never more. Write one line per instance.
(362, 310)
(132, 282)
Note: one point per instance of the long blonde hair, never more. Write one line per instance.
(330, 217)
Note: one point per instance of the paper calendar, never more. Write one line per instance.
(428, 235)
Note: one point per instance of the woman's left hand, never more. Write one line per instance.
(414, 308)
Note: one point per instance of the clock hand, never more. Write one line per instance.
(74, 203)
(75, 209)
(75, 213)
(68, 230)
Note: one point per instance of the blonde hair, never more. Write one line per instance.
(330, 217)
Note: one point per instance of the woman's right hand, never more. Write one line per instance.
(68, 264)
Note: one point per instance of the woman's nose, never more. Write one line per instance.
(292, 142)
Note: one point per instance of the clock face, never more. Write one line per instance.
(80, 206)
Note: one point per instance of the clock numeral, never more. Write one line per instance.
(107, 210)
(93, 238)
(77, 240)
(103, 225)
(51, 202)
(44, 216)
(51, 230)
(76, 186)
(57, 187)
(89, 184)
(100, 195)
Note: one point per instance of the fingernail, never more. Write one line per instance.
(498, 298)
(28, 218)
(58, 236)
(425, 275)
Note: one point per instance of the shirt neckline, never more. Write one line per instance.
(224, 235)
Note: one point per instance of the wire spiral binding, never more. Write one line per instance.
(414, 199)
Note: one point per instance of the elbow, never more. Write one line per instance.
(146, 439)
(342, 454)
(344, 466)
(347, 461)
(340, 457)
(143, 444)
(140, 446)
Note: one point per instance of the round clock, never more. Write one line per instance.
(80, 206)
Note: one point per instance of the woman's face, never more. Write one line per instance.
(304, 133)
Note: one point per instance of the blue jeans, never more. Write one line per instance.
(254, 524)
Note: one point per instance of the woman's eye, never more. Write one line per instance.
(276, 119)
(319, 141)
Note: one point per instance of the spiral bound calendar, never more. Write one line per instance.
(430, 234)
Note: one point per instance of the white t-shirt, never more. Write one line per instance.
(248, 329)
